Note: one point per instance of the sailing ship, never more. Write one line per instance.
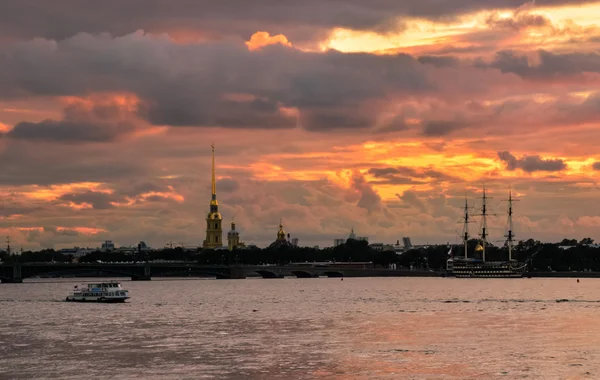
(470, 267)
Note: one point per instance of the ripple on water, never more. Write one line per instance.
(304, 329)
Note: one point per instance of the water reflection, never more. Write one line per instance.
(304, 329)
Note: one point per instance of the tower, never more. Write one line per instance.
(214, 221)
(233, 237)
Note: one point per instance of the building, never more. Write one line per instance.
(214, 221)
(351, 237)
(233, 238)
(398, 248)
(407, 243)
(108, 246)
(295, 242)
(338, 242)
(381, 247)
(282, 240)
(76, 252)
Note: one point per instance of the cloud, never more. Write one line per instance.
(211, 84)
(70, 132)
(411, 198)
(99, 119)
(442, 127)
(260, 39)
(98, 200)
(233, 17)
(439, 61)
(107, 119)
(548, 64)
(521, 19)
(596, 166)
(402, 175)
(531, 164)
(227, 185)
(369, 199)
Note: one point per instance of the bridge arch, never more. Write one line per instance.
(334, 274)
(268, 274)
(304, 274)
(195, 273)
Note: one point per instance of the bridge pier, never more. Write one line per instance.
(13, 280)
(237, 273)
(147, 276)
(12, 275)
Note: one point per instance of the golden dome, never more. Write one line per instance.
(479, 248)
(281, 232)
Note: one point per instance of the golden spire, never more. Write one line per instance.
(214, 184)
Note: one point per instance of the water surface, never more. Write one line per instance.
(358, 328)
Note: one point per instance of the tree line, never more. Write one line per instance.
(581, 256)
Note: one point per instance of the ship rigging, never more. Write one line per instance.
(465, 267)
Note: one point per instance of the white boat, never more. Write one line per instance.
(99, 292)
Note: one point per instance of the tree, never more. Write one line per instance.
(568, 242)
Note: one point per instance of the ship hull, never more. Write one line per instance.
(488, 270)
(96, 299)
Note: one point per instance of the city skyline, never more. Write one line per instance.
(381, 117)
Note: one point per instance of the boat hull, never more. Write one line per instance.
(488, 270)
(97, 299)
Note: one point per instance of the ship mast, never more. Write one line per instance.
(466, 227)
(510, 236)
(484, 233)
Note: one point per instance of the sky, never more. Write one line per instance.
(378, 115)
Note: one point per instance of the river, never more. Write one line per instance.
(326, 328)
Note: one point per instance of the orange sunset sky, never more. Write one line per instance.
(379, 115)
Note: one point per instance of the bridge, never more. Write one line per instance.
(144, 271)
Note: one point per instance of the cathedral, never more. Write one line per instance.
(282, 239)
(214, 221)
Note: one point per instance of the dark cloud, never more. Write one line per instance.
(134, 188)
(100, 123)
(410, 198)
(402, 175)
(369, 199)
(306, 20)
(531, 163)
(69, 132)
(24, 163)
(437, 128)
(549, 65)
(439, 61)
(193, 85)
(596, 166)
(98, 200)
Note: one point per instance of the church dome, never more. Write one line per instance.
(233, 231)
(281, 232)
(352, 236)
